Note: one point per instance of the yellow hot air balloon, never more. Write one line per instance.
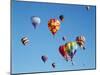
(53, 25)
(71, 46)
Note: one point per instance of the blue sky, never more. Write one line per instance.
(78, 21)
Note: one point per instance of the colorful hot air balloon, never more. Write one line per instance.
(61, 17)
(53, 25)
(64, 53)
(35, 21)
(25, 40)
(68, 50)
(71, 48)
(44, 58)
(80, 41)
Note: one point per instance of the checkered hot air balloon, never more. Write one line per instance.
(53, 25)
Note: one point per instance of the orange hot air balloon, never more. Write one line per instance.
(53, 25)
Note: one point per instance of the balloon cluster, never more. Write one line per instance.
(44, 58)
(68, 50)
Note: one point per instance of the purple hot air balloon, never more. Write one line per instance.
(44, 58)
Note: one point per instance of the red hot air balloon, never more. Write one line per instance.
(62, 50)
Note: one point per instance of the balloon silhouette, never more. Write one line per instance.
(44, 58)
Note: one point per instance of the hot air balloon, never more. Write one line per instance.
(35, 21)
(62, 50)
(25, 40)
(64, 38)
(61, 17)
(53, 25)
(71, 48)
(88, 7)
(80, 41)
(68, 50)
(53, 65)
(64, 53)
(44, 58)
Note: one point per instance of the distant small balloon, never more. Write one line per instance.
(61, 17)
(25, 40)
(44, 58)
(64, 38)
(88, 7)
(53, 65)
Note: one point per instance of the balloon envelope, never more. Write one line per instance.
(63, 38)
(80, 40)
(71, 46)
(35, 21)
(68, 50)
(44, 58)
(61, 17)
(25, 40)
(53, 25)
(62, 50)
(53, 65)
(87, 7)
